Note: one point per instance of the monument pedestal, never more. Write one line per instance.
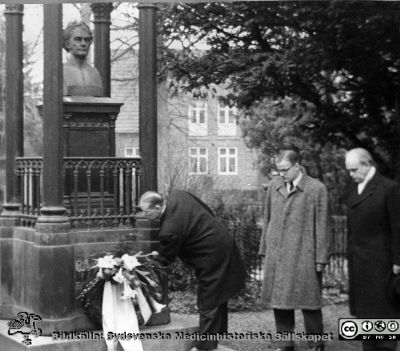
(43, 272)
(89, 126)
(88, 131)
(43, 269)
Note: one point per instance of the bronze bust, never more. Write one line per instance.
(80, 78)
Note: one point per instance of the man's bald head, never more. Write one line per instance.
(358, 163)
(152, 204)
(362, 155)
(150, 199)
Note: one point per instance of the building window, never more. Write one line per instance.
(198, 118)
(198, 158)
(131, 152)
(227, 160)
(227, 120)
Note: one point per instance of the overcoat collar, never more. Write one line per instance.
(369, 189)
(281, 187)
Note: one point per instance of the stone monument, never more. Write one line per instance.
(43, 266)
(80, 78)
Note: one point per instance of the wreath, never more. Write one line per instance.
(141, 276)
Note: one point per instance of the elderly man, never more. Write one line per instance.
(373, 211)
(80, 78)
(190, 231)
(294, 242)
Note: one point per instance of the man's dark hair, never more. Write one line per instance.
(288, 155)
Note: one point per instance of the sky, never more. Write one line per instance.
(33, 29)
(33, 32)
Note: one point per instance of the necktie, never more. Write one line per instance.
(291, 186)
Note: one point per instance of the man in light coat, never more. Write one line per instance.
(373, 216)
(295, 245)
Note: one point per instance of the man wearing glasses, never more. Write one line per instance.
(294, 243)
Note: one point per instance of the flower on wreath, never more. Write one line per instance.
(130, 262)
(108, 266)
(128, 292)
(119, 277)
(140, 275)
(105, 262)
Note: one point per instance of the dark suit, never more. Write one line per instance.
(190, 231)
(373, 247)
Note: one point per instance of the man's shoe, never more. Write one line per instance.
(194, 348)
(285, 348)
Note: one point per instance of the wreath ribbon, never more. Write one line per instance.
(119, 317)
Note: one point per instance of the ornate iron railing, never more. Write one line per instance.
(29, 178)
(99, 191)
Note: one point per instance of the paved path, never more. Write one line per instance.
(257, 322)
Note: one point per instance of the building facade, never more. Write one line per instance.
(200, 144)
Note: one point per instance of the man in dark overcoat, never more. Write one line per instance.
(294, 242)
(373, 212)
(189, 230)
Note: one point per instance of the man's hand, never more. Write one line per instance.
(319, 267)
(396, 269)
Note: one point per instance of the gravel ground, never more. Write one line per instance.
(264, 321)
(242, 322)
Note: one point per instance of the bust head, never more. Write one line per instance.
(80, 78)
(77, 39)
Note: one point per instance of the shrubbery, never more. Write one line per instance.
(240, 218)
(249, 299)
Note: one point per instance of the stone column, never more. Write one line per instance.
(102, 21)
(148, 95)
(14, 102)
(53, 213)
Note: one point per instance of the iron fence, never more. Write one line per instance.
(247, 237)
(29, 178)
(98, 192)
(336, 267)
(103, 192)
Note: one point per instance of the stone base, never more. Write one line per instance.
(45, 343)
(43, 272)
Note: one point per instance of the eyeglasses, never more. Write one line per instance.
(284, 171)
